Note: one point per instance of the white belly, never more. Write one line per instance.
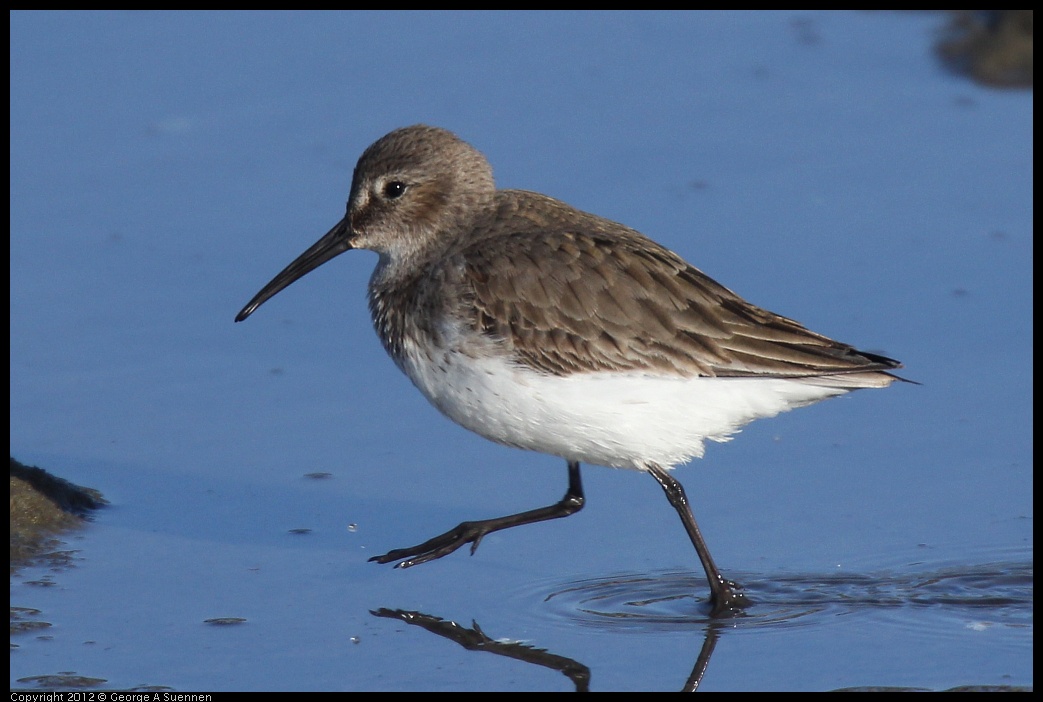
(621, 420)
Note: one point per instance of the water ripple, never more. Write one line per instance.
(995, 591)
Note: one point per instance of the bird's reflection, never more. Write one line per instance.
(474, 639)
(662, 603)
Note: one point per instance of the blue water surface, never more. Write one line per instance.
(165, 165)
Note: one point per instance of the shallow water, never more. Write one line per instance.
(486, 622)
(822, 164)
(975, 598)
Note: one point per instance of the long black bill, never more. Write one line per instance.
(332, 244)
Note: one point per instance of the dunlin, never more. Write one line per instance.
(547, 328)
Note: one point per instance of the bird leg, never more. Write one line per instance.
(725, 595)
(472, 532)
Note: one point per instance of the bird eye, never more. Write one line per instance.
(394, 189)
